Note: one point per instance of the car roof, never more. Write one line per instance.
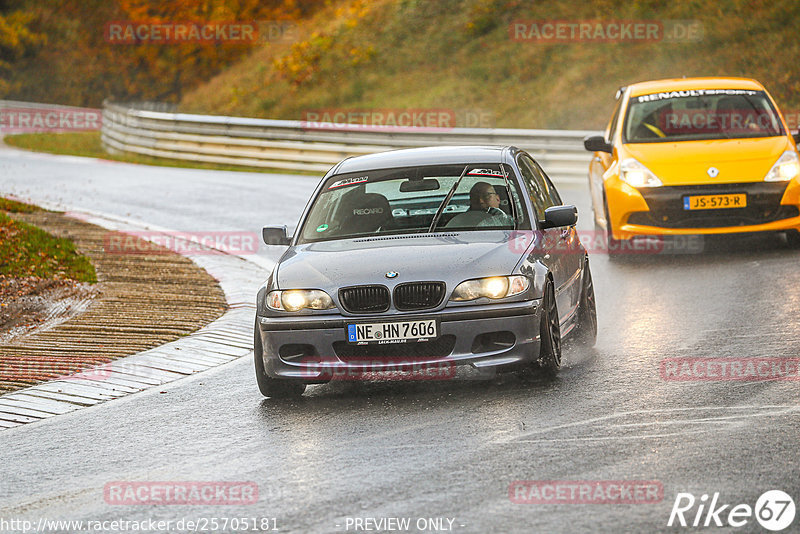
(435, 155)
(685, 84)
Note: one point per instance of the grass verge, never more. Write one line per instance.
(26, 250)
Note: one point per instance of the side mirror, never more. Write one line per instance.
(596, 143)
(558, 216)
(275, 235)
(796, 137)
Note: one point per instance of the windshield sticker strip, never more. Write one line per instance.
(694, 92)
(485, 172)
(349, 181)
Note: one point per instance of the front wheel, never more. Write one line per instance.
(272, 387)
(586, 328)
(549, 333)
(614, 247)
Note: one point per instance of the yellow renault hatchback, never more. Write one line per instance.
(694, 156)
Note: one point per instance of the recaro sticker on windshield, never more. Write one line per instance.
(694, 92)
(322, 227)
(485, 172)
(367, 211)
(349, 181)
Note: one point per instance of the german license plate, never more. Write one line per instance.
(394, 332)
(715, 202)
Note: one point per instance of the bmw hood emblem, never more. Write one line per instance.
(713, 172)
(392, 274)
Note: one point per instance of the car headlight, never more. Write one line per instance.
(495, 287)
(293, 300)
(786, 168)
(637, 175)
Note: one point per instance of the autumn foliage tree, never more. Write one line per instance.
(57, 50)
(17, 41)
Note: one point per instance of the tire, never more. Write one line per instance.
(549, 334)
(614, 247)
(585, 331)
(272, 387)
(793, 238)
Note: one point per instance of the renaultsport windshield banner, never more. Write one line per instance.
(695, 92)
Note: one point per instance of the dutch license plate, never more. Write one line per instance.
(394, 332)
(715, 202)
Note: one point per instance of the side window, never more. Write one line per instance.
(534, 185)
(522, 214)
(554, 199)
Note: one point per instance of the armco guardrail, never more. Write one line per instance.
(30, 117)
(296, 145)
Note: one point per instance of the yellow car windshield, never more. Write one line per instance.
(700, 114)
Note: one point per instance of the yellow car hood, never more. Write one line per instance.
(688, 162)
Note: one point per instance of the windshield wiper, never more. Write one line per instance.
(446, 201)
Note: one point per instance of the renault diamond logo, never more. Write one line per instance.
(713, 172)
(392, 274)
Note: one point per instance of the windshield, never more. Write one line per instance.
(411, 200)
(700, 114)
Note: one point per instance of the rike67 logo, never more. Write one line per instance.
(774, 511)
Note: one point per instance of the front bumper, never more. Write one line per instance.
(771, 206)
(315, 349)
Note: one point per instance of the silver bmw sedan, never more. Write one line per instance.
(414, 262)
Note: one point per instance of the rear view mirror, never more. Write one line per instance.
(596, 143)
(558, 216)
(413, 186)
(275, 235)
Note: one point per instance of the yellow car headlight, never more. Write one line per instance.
(494, 287)
(293, 300)
(637, 175)
(786, 168)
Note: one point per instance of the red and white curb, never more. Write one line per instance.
(226, 339)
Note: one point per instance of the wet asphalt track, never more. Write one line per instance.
(433, 449)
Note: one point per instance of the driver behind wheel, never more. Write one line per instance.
(484, 209)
